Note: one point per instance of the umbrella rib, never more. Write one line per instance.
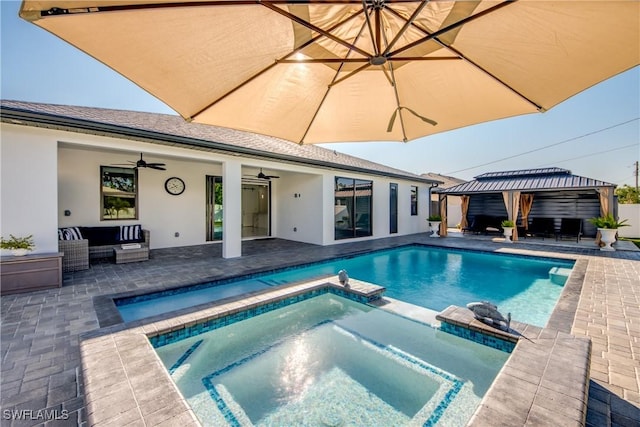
(493, 76)
(378, 40)
(374, 42)
(351, 74)
(333, 82)
(430, 36)
(57, 11)
(461, 56)
(283, 59)
(322, 61)
(315, 28)
(405, 27)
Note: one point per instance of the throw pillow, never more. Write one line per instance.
(69, 233)
(131, 233)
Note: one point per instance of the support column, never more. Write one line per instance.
(443, 215)
(232, 209)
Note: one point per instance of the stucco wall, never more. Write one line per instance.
(632, 214)
(298, 208)
(60, 171)
(163, 214)
(28, 189)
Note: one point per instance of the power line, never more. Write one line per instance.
(589, 155)
(545, 147)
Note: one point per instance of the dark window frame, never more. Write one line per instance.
(353, 208)
(414, 200)
(118, 179)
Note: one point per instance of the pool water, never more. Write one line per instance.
(429, 277)
(331, 361)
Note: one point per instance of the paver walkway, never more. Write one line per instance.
(40, 378)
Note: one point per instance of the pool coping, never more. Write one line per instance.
(545, 380)
(126, 382)
(107, 312)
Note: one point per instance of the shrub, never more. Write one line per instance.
(607, 221)
(14, 242)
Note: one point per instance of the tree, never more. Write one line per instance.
(627, 195)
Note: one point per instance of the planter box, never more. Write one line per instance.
(30, 273)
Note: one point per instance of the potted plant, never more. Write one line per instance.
(18, 245)
(507, 229)
(434, 224)
(608, 227)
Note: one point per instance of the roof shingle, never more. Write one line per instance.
(172, 129)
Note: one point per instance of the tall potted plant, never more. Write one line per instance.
(608, 227)
(434, 224)
(507, 229)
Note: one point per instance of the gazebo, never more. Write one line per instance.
(522, 195)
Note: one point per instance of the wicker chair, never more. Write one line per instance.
(76, 254)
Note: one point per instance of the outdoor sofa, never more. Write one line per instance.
(81, 245)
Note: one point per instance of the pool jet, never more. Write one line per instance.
(484, 311)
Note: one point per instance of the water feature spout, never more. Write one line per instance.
(485, 311)
(343, 277)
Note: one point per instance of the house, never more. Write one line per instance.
(65, 166)
(522, 195)
(454, 215)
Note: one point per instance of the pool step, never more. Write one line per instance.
(559, 275)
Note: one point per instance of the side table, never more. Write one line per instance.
(124, 256)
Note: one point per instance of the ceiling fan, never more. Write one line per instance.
(142, 164)
(262, 175)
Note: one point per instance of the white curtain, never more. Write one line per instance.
(512, 203)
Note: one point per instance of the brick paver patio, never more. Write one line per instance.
(40, 372)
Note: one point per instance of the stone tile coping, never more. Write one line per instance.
(125, 381)
(544, 382)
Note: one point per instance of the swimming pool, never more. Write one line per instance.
(330, 361)
(430, 277)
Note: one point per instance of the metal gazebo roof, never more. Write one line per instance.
(525, 180)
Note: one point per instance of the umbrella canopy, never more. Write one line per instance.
(317, 71)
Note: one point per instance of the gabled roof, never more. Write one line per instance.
(526, 180)
(173, 130)
(445, 180)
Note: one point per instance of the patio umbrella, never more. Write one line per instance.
(319, 71)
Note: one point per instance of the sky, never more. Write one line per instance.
(595, 134)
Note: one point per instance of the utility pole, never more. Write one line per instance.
(636, 173)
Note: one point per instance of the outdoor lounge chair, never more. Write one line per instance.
(485, 224)
(541, 227)
(477, 225)
(570, 227)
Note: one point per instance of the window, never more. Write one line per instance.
(118, 193)
(393, 208)
(414, 200)
(353, 208)
(213, 211)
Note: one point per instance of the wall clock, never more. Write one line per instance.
(174, 186)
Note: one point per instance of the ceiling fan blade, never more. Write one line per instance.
(272, 176)
(157, 166)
